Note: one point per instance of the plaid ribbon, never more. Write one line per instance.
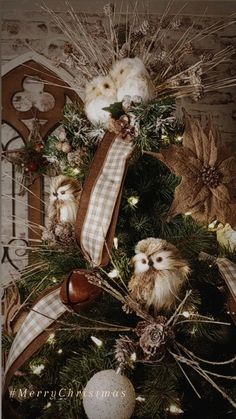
(103, 200)
(44, 313)
(227, 270)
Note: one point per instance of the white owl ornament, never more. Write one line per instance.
(159, 274)
(131, 79)
(100, 92)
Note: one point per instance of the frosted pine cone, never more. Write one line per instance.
(145, 27)
(74, 158)
(48, 237)
(141, 31)
(122, 127)
(64, 233)
(125, 351)
(136, 36)
(124, 51)
(59, 234)
(154, 336)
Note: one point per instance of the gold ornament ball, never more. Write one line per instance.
(107, 395)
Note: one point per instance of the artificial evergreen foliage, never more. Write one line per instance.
(71, 358)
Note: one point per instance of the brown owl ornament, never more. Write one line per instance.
(63, 200)
(62, 210)
(159, 274)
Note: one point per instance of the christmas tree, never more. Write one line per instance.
(138, 276)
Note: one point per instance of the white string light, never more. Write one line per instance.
(98, 342)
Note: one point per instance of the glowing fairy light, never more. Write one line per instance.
(37, 369)
(115, 241)
(133, 201)
(76, 171)
(186, 314)
(98, 342)
(173, 408)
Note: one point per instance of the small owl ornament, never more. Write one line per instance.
(159, 274)
(131, 79)
(63, 200)
(100, 92)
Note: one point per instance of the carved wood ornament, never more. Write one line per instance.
(22, 103)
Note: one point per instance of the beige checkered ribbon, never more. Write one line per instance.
(227, 270)
(44, 313)
(103, 200)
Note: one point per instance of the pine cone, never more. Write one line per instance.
(154, 337)
(74, 158)
(64, 233)
(141, 31)
(123, 126)
(124, 51)
(145, 27)
(124, 349)
(136, 36)
(48, 236)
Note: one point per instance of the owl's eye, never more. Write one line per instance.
(159, 259)
(106, 85)
(93, 88)
(121, 71)
(63, 192)
(54, 194)
(144, 261)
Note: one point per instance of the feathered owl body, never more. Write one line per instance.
(131, 79)
(63, 200)
(159, 274)
(100, 92)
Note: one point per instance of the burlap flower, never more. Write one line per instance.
(208, 171)
(154, 336)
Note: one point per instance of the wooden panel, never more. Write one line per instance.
(12, 83)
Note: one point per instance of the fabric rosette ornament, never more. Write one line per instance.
(208, 174)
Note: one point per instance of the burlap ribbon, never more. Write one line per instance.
(100, 199)
(228, 272)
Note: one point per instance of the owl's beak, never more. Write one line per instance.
(150, 262)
